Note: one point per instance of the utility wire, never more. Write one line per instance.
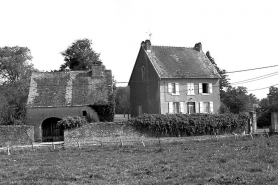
(262, 88)
(255, 79)
(252, 69)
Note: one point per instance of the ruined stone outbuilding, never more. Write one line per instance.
(55, 95)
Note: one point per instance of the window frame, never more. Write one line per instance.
(209, 88)
(174, 88)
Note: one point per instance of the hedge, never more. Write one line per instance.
(173, 125)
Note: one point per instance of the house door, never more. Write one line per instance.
(191, 108)
(51, 131)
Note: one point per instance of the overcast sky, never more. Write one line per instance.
(238, 34)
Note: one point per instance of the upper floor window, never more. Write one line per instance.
(174, 88)
(143, 72)
(205, 88)
(190, 89)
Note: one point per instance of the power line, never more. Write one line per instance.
(262, 88)
(252, 69)
(256, 78)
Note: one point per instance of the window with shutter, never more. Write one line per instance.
(205, 88)
(201, 107)
(182, 107)
(174, 88)
(205, 107)
(210, 88)
(177, 87)
(170, 105)
(190, 88)
(176, 107)
(211, 107)
(200, 88)
(170, 90)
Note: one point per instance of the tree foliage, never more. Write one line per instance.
(233, 99)
(15, 71)
(237, 99)
(266, 106)
(80, 56)
(224, 80)
(122, 100)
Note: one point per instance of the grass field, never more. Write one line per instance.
(222, 161)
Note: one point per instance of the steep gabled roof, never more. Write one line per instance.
(72, 88)
(181, 62)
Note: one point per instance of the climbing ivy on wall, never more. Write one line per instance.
(105, 112)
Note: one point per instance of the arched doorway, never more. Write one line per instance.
(51, 131)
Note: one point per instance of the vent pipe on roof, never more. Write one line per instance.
(198, 47)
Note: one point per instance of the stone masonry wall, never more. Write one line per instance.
(104, 132)
(16, 135)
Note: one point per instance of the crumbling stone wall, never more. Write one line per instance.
(16, 135)
(104, 132)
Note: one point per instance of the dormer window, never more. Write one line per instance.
(143, 73)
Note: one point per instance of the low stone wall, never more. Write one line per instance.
(16, 135)
(100, 132)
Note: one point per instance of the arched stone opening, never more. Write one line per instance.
(51, 131)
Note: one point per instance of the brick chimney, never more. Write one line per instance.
(97, 71)
(147, 45)
(198, 47)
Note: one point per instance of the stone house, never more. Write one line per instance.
(55, 95)
(173, 80)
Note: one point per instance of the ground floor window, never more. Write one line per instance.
(176, 107)
(206, 107)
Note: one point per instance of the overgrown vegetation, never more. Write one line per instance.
(266, 106)
(189, 124)
(15, 72)
(213, 162)
(72, 122)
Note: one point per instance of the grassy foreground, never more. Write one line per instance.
(223, 161)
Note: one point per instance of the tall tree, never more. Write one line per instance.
(224, 80)
(273, 96)
(237, 100)
(80, 56)
(15, 71)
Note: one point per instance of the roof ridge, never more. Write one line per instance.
(173, 47)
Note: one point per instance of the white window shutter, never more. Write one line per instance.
(170, 107)
(211, 107)
(177, 85)
(201, 107)
(170, 89)
(188, 88)
(200, 88)
(182, 107)
(210, 88)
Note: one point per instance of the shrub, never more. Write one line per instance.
(189, 124)
(72, 122)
